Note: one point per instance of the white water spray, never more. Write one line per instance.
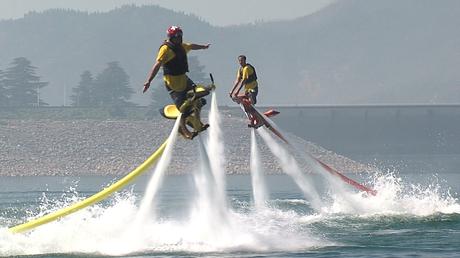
(211, 209)
(148, 202)
(290, 167)
(259, 188)
(209, 216)
(215, 146)
(337, 188)
(394, 196)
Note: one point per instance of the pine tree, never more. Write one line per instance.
(22, 85)
(111, 87)
(82, 93)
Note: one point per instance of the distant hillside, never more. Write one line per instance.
(364, 51)
(351, 52)
(63, 43)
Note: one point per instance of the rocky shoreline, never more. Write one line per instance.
(115, 147)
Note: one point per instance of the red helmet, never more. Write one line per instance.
(174, 31)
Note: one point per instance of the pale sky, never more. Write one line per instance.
(216, 12)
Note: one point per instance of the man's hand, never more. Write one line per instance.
(206, 46)
(146, 86)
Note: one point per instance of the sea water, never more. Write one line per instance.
(417, 214)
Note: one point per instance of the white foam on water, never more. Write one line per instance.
(394, 196)
(102, 230)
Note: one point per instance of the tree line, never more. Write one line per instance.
(20, 86)
(109, 88)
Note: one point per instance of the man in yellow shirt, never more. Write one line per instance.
(247, 76)
(172, 56)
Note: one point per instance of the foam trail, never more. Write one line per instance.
(291, 167)
(259, 188)
(148, 202)
(215, 146)
(398, 197)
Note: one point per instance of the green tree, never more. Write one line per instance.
(22, 85)
(111, 87)
(82, 93)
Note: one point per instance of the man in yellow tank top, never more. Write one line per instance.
(172, 56)
(247, 77)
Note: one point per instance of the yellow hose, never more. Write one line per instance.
(94, 198)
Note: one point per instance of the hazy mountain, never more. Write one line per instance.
(365, 51)
(351, 52)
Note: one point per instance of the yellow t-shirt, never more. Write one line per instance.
(247, 71)
(175, 82)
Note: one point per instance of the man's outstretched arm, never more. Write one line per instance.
(153, 72)
(198, 46)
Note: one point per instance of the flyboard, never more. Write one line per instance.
(172, 112)
(190, 124)
(258, 119)
(94, 198)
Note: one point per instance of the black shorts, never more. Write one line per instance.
(179, 97)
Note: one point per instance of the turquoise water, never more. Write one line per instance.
(415, 215)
